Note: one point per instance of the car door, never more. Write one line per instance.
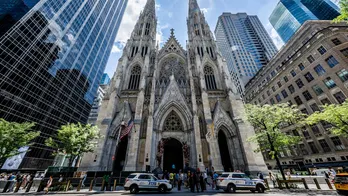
(144, 181)
(238, 180)
(153, 182)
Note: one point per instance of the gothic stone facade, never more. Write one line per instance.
(183, 102)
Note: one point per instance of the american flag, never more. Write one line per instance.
(127, 129)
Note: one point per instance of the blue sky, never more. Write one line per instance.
(173, 13)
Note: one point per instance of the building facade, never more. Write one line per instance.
(52, 61)
(183, 104)
(311, 70)
(289, 15)
(93, 115)
(245, 44)
(105, 79)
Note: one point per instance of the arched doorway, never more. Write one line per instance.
(173, 155)
(120, 154)
(224, 152)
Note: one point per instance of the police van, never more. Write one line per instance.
(230, 182)
(146, 182)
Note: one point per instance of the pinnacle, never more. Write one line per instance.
(193, 6)
(150, 6)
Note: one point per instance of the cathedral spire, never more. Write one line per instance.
(150, 7)
(193, 7)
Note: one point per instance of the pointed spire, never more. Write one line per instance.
(150, 6)
(193, 7)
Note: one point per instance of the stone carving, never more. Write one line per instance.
(160, 151)
(172, 123)
(186, 152)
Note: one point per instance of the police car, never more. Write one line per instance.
(148, 182)
(230, 182)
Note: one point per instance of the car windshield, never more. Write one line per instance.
(154, 178)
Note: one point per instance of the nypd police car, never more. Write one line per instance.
(230, 182)
(148, 182)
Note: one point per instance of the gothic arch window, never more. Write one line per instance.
(172, 123)
(134, 78)
(209, 78)
(147, 29)
(140, 29)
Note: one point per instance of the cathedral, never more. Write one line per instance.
(181, 106)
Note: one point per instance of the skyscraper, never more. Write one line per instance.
(12, 11)
(105, 79)
(52, 62)
(245, 44)
(289, 15)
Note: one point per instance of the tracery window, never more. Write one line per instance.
(209, 78)
(134, 78)
(172, 123)
(173, 66)
(147, 29)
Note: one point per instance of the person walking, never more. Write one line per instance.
(205, 176)
(180, 179)
(106, 182)
(192, 182)
(197, 179)
(273, 179)
(49, 184)
(202, 182)
(84, 177)
(171, 178)
(215, 178)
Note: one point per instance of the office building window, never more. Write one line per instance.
(291, 89)
(310, 59)
(273, 88)
(307, 95)
(345, 52)
(340, 97)
(329, 83)
(293, 73)
(304, 111)
(320, 70)
(284, 93)
(286, 79)
(301, 66)
(309, 77)
(303, 149)
(313, 147)
(315, 107)
(273, 73)
(279, 99)
(321, 50)
(299, 83)
(343, 75)
(317, 89)
(268, 93)
(336, 42)
(338, 144)
(324, 145)
(272, 101)
(263, 96)
(298, 100)
(295, 132)
(306, 134)
(279, 84)
(331, 61)
(316, 131)
(325, 101)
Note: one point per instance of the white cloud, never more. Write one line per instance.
(274, 35)
(118, 47)
(159, 35)
(158, 7)
(170, 14)
(115, 49)
(204, 10)
(130, 18)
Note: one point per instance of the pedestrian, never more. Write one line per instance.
(11, 180)
(260, 175)
(171, 178)
(180, 179)
(191, 182)
(202, 182)
(215, 178)
(205, 176)
(106, 182)
(273, 179)
(30, 178)
(84, 177)
(19, 180)
(49, 183)
(197, 179)
(60, 178)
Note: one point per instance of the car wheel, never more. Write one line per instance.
(260, 188)
(134, 189)
(231, 188)
(162, 188)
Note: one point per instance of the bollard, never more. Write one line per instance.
(102, 186)
(91, 186)
(328, 183)
(266, 182)
(305, 183)
(114, 189)
(316, 183)
(79, 186)
(67, 186)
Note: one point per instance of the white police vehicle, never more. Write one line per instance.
(146, 182)
(230, 182)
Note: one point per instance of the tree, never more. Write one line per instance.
(14, 135)
(75, 140)
(344, 12)
(336, 115)
(268, 121)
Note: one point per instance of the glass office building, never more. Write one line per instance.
(245, 44)
(51, 63)
(105, 79)
(289, 15)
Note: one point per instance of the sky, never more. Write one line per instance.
(173, 13)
